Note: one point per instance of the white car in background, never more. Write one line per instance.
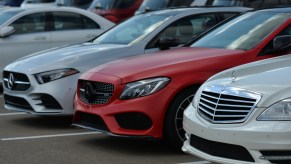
(26, 31)
(46, 83)
(243, 115)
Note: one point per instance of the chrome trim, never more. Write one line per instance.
(279, 158)
(17, 82)
(226, 100)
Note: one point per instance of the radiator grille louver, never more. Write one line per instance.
(220, 104)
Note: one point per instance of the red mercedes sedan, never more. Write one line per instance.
(145, 96)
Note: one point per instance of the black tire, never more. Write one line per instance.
(174, 133)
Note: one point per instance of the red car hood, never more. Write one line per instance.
(168, 63)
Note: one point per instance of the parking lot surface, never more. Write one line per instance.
(30, 139)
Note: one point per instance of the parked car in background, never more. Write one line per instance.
(246, 111)
(152, 5)
(256, 4)
(145, 96)
(46, 83)
(115, 10)
(25, 31)
(83, 4)
(14, 3)
(37, 3)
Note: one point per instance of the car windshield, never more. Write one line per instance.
(6, 15)
(244, 32)
(132, 30)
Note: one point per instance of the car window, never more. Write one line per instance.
(101, 4)
(30, 23)
(123, 4)
(247, 31)
(72, 21)
(84, 4)
(186, 28)
(40, 1)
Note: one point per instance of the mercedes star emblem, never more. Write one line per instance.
(10, 83)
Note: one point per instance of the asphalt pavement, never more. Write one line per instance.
(29, 139)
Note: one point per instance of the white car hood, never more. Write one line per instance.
(81, 57)
(270, 78)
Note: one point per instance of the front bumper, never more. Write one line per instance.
(52, 98)
(249, 142)
(136, 118)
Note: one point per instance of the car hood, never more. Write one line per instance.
(164, 63)
(81, 57)
(270, 78)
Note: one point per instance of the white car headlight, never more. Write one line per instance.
(48, 76)
(281, 111)
(143, 87)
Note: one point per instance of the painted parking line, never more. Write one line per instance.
(197, 162)
(11, 114)
(48, 136)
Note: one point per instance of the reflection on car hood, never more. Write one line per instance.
(81, 57)
(167, 63)
(270, 77)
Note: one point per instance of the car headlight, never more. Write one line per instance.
(48, 76)
(280, 111)
(143, 87)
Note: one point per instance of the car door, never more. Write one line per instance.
(71, 28)
(30, 36)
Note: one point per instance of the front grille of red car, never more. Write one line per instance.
(92, 92)
(220, 104)
(219, 149)
(15, 81)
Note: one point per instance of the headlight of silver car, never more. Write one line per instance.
(48, 76)
(143, 87)
(281, 111)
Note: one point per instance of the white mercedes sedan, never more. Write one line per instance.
(26, 31)
(243, 115)
(45, 83)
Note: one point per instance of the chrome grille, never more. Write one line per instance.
(92, 92)
(15, 81)
(220, 104)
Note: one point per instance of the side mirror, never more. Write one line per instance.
(167, 42)
(282, 42)
(6, 31)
